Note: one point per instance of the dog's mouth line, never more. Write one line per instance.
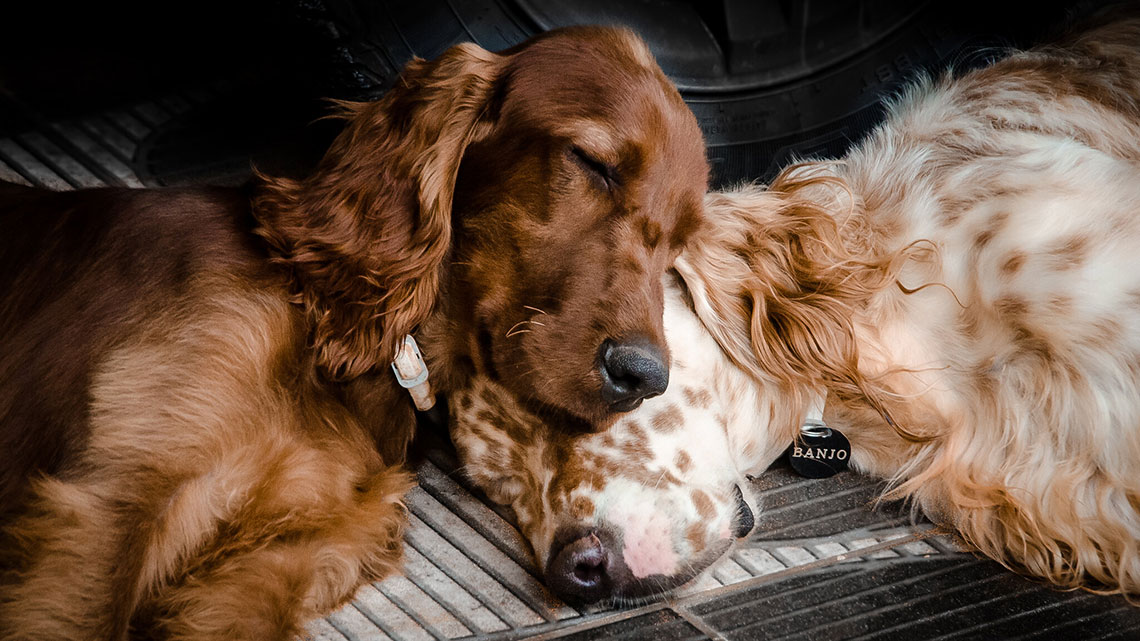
(648, 590)
(558, 416)
(636, 599)
(717, 554)
(629, 405)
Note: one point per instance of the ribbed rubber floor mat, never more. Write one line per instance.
(92, 151)
(469, 572)
(953, 597)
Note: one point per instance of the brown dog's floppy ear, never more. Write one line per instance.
(366, 236)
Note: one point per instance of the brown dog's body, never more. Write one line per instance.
(172, 458)
(80, 271)
(201, 431)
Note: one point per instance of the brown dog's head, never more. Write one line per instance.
(582, 189)
(515, 211)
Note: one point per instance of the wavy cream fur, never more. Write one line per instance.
(976, 282)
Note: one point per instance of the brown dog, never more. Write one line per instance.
(200, 428)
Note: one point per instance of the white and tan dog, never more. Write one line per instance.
(963, 288)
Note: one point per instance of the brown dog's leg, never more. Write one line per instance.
(264, 581)
(72, 541)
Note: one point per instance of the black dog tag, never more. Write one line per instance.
(819, 452)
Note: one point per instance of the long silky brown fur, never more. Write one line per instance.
(229, 474)
(202, 435)
(382, 273)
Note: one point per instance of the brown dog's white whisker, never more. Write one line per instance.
(517, 328)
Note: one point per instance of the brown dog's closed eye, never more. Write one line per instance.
(599, 171)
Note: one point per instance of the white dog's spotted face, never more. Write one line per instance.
(642, 507)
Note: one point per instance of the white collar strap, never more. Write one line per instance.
(412, 374)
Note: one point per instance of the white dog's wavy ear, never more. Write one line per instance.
(774, 280)
(695, 287)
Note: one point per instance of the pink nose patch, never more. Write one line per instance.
(648, 546)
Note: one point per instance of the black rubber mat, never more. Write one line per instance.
(950, 597)
(798, 507)
(664, 625)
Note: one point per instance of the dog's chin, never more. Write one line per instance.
(621, 407)
(557, 417)
(598, 418)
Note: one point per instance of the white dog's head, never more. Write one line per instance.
(644, 506)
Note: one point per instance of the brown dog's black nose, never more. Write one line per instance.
(577, 571)
(631, 372)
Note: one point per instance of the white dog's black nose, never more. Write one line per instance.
(631, 372)
(577, 570)
(586, 566)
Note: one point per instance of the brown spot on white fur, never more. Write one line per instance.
(695, 536)
(667, 419)
(1013, 263)
(697, 397)
(683, 461)
(581, 508)
(704, 504)
(1071, 252)
(1012, 306)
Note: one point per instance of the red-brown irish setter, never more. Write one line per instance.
(200, 428)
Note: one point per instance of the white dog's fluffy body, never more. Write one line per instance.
(979, 288)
